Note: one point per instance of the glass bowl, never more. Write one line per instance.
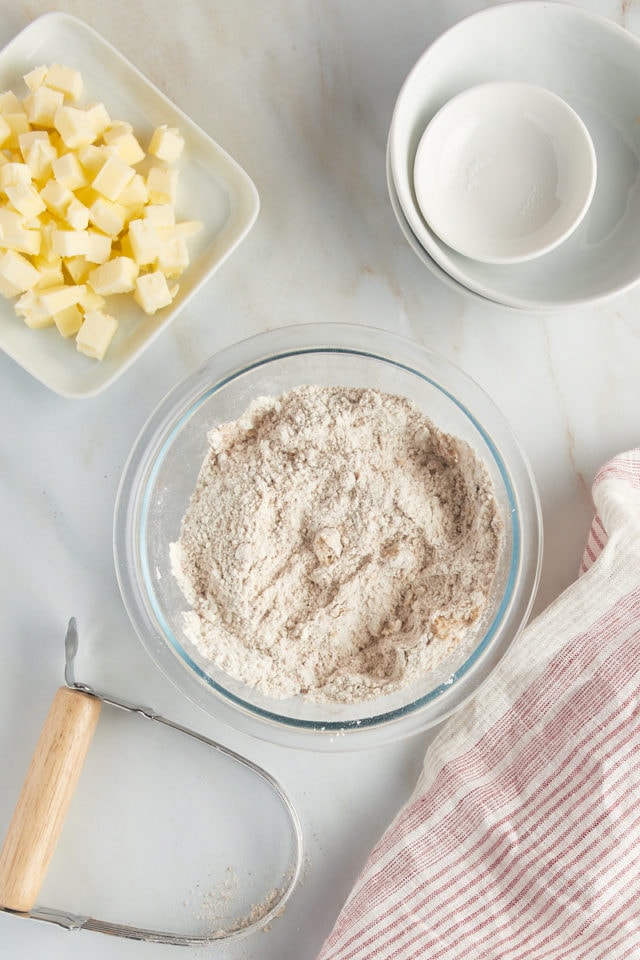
(160, 476)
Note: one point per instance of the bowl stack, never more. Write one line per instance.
(487, 68)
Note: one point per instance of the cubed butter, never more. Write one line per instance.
(17, 274)
(42, 106)
(162, 184)
(30, 309)
(127, 147)
(49, 272)
(57, 197)
(35, 78)
(39, 156)
(69, 320)
(12, 173)
(55, 299)
(69, 243)
(25, 199)
(114, 175)
(135, 195)
(99, 249)
(15, 236)
(77, 215)
(65, 79)
(166, 143)
(96, 333)
(5, 130)
(145, 241)
(74, 126)
(173, 258)
(152, 292)
(107, 216)
(99, 116)
(115, 276)
(68, 171)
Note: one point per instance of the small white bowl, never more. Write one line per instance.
(594, 65)
(505, 172)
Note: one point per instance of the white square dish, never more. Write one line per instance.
(213, 189)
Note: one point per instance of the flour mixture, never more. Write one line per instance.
(337, 545)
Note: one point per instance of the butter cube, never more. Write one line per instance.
(127, 147)
(113, 177)
(99, 249)
(173, 258)
(50, 272)
(135, 194)
(91, 300)
(13, 173)
(99, 118)
(25, 199)
(77, 215)
(145, 241)
(18, 124)
(96, 334)
(30, 309)
(39, 156)
(68, 171)
(10, 103)
(160, 214)
(115, 276)
(69, 243)
(42, 106)
(35, 78)
(78, 268)
(166, 143)
(74, 126)
(91, 157)
(17, 274)
(162, 185)
(5, 130)
(108, 217)
(69, 320)
(186, 229)
(56, 197)
(152, 292)
(65, 79)
(15, 236)
(55, 299)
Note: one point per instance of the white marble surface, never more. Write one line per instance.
(301, 94)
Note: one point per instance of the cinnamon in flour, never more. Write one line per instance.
(337, 545)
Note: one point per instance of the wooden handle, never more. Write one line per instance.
(45, 797)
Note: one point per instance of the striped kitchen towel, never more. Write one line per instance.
(522, 838)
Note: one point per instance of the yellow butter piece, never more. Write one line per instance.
(167, 143)
(42, 105)
(17, 274)
(65, 79)
(74, 126)
(115, 276)
(108, 216)
(68, 171)
(69, 243)
(35, 78)
(96, 333)
(145, 241)
(69, 320)
(25, 199)
(112, 178)
(162, 184)
(152, 292)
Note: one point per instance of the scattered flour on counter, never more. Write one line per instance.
(337, 545)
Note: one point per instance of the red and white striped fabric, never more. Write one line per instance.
(522, 839)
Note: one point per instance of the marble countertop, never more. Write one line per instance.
(301, 94)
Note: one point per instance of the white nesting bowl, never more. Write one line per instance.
(505, 172)
(594, 65)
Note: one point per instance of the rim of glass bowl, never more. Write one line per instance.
(155, 440)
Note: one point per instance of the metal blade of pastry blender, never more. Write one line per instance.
(242, 928)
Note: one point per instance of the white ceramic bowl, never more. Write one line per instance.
(504, 172)
(161, 474)
(594, 65)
